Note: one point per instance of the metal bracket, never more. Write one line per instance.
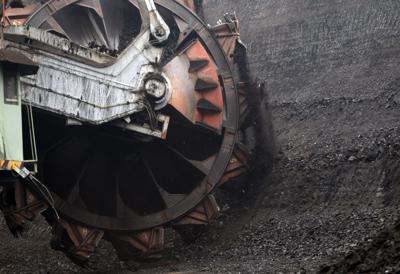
(159, 132)
(158, 28)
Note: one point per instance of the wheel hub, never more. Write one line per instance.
(158, 88)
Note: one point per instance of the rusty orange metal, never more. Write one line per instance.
(208, 73)
(85, 240)
(18, 16)
(227, 35)
(188, 3)
(238, 164)
(184, 98)
(147, 242)
(243, 105)
(26, 208)
(206, 211)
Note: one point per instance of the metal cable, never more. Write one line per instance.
(44, 192)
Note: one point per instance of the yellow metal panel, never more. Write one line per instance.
(10, 165)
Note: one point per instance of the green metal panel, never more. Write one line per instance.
(11, 142)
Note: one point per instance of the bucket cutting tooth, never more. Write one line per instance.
(238, 165)
(243, 104)
(192, 225)
(205, 106)
(19, 206)
(78, 242)
(243, 156)
(203, 214)
(228, 36)
(137, 245)
(196, 65)
(209, 92)
(202, 90)
(202, 85)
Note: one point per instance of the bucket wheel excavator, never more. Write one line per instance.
(137, 111)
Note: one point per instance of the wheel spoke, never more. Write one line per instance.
(194, 142)
(74, 197)
(203, 166)
(172, 172)
(97, 184)
(97, 23)
(136, 187)
(62, 173)
(54, 26)
(83, 29)
(169, 199)
(92, 4)
(113, 21)
(110, 22)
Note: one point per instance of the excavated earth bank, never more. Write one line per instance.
(331, 204)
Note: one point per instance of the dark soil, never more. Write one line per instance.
(380, 256)
(332, 202)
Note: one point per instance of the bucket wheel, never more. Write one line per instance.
(125, 187)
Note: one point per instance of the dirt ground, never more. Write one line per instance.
(331, 204)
